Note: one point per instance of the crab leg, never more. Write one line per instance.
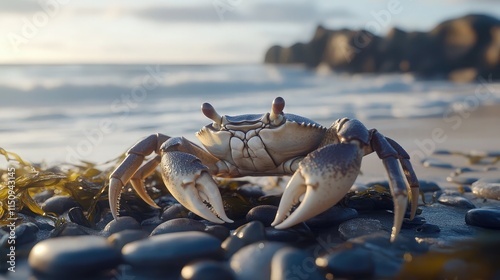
(404, 159)
(130, 165)
(390, 156)
(323, 177)
(190, 181)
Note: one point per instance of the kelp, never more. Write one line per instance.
(86, 183)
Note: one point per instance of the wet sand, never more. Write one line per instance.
(477, 129)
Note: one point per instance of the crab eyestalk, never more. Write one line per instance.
(276, 115)
(209, 111)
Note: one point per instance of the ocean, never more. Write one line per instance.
(69, 113)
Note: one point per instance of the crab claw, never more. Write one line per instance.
(323, 178)
(189, 182)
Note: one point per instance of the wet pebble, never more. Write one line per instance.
(291, 263)
(70, 256)
(231, 245)
(358, 187)
(178, 225)
(122, 238)
(254, 261)
(487, 188)
(358, 227)
(150, 224)
(42, 222)
(69, 229)
(263, 213)
(173, 249)
(250, 232)
(461, 180)
(282, 235)
(428, 186)
(442, 152)
(122, 223)
(432, 162)
(25, 233)
(59, 204)
(221, 232)
(487, 217)
(77, 216)
(333, 216)
(456, 201)
(104, 221)
(174, 212)
(207, 270)
(417, 221)
(244, 235)
(353, 264)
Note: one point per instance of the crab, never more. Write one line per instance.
(323, 164)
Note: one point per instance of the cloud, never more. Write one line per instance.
(177, 14)
(19, 7)
(260, 12)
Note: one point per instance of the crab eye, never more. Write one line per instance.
(209, 111)
(276, 116)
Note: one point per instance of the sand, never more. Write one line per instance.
(477, 129)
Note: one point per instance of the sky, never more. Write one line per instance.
(197, 31)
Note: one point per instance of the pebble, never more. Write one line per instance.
(150, 224)
(122, 238)
(291, 263)
(251, 232)
(417, 221)
(221, 232)
(428, 186)
(442, 152)
(461, 180)
(284, 235)
(122, 223)
(333, 216)
(231, 245)
(254, 261)
(358, 187)
(178, 225)
(354, 263)
(69, 229)
(484, 217)
(25, 233)
(173, 212)
(263, 213)
(456, 201)
(173, 249)
(487, 188)
(432, 162)
(242, 236)
(104, 221)
(207, 270)
(59, 204)
(77, 216)
(359, 227)
(70, 256)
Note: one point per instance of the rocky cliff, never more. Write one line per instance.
(458, 49)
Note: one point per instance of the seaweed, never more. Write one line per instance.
(86, 183)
